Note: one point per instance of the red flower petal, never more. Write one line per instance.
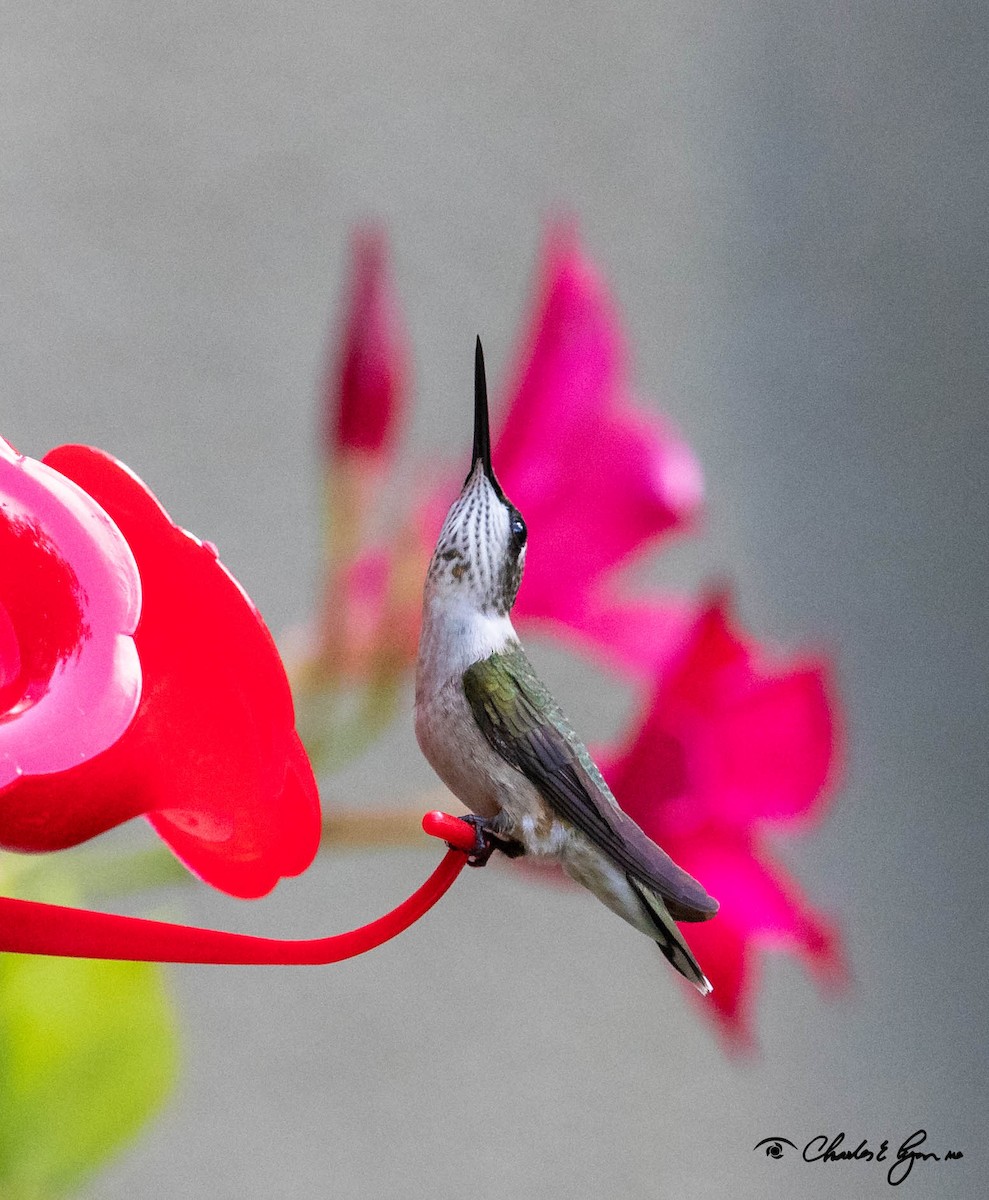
(212, 756)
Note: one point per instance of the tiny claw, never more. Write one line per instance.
(483, 848)
(486, 842)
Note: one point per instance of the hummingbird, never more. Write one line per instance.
(497, 738)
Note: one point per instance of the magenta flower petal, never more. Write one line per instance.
(732, 966)
(70, 598)
(753, 740)
(761, 908)
(612, 499)
(570, 368)
(759, 899)
(597, 478)
(638, 636)
(768, 754)
(730, 742)
(211, 755)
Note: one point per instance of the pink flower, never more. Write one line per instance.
(731, 746)
(136, 677)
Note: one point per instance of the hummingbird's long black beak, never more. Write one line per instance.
(482, 432)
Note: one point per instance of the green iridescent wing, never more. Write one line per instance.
(523, 723)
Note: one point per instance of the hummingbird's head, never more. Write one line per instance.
(481, 549)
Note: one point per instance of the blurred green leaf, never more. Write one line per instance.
(87, 1055)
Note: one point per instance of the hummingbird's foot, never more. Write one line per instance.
(486, 842)
(483, 847)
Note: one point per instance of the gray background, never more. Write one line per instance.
(790, 202)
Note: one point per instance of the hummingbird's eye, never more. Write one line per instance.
(518, 531)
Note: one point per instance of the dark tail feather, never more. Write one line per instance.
(668, 938)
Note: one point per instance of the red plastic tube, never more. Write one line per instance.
(30, 927)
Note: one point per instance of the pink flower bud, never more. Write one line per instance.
(364, 385)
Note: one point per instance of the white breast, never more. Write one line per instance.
(454, 636)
